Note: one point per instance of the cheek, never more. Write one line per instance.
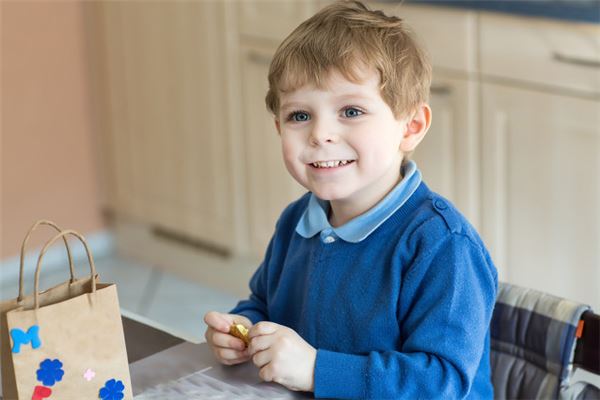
(289, 152)
(291, 158)
(378, 150)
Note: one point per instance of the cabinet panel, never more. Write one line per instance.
(167, 113)
(448, 156)
(272, 19)
(548, 53)
(541, 190)
(432, 25)
(270, 187)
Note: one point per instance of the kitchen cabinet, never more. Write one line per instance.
(271, 20)
(541, 189)
(548, 55)
(165, 116)
(541, 153)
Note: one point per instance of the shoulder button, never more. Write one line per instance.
(450, 215)
(440, 205)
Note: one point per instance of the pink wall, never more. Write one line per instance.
(47, 155)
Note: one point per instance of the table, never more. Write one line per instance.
(143, 340)
(157, 357)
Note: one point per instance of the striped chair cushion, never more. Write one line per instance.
(533, 338)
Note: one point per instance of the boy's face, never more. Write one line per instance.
(342, 143)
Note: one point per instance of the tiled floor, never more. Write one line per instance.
(167, 300)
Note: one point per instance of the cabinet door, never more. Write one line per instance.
(432, 25)
(269, 186)
(168, 112)
(541, 190)
(272, 19)
(448, 156)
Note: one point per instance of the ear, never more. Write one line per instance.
(416, 128)
(277, 126)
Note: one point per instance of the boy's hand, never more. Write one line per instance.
(282, 356)
(227, 349)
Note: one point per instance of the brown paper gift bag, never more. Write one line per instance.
(70, 349)
(53, 295)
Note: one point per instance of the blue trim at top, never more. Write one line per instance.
(571, 10)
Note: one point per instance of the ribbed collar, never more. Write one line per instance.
(314, 219)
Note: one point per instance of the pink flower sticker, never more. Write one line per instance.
(89, 375)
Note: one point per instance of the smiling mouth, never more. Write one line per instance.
(331, 164)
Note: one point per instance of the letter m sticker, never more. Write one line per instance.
(31, 336)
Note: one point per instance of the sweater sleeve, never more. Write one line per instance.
(255, 307)
(447, 299)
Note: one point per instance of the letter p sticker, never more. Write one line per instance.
(19, 337)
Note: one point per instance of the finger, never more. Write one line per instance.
(236, 361)
(239, 360)
(218, 321)
(263, 328)
(209, 335)
(224, 353)
(228, 341)
(265, 374)
(261, 358)
(259, 343)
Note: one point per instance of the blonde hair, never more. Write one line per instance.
(346, 35)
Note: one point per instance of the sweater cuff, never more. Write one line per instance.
(340, 375)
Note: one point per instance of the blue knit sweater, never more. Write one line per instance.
(403, 313)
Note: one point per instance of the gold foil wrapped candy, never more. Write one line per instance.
(240, 331)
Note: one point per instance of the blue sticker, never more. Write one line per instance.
(112, 390)
(19, 337)
(50, 372)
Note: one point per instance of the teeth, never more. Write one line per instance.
(330, 164)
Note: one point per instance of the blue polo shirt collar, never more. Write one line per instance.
(314, 219)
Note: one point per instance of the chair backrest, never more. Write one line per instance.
(533, 337)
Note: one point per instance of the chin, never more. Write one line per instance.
(329, 195)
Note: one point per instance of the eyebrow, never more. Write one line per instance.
(340, 97)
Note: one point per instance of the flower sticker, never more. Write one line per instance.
(112, 390)
(50, 372)
(89, 374)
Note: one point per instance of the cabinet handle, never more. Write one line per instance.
(580, 62)
(259, 57)
(441, 89)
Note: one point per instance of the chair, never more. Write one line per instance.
(536, 340)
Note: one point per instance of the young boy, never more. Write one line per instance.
(372, 286)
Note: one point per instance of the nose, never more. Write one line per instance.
(322, 133)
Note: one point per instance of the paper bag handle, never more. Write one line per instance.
(49, 243)
(24, 244)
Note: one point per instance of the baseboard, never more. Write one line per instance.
(101, 244)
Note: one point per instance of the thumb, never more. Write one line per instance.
(219, 321)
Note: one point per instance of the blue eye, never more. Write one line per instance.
(353, 114)
(304, 116)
